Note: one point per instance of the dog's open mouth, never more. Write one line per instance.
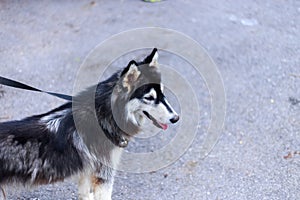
(155, 122)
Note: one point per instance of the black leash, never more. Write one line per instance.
(16, 84)
(120, 141)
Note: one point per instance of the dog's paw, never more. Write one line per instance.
(87, 196)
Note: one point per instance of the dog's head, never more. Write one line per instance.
(142, 91)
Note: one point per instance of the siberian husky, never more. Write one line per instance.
(46, 148)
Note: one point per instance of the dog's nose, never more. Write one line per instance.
(174, 119)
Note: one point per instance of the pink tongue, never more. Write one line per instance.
(164, 126)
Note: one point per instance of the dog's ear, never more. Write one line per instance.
(152, 59)
(130, 75)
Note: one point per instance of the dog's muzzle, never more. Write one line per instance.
(155, 122)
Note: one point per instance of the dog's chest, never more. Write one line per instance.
(115, 156)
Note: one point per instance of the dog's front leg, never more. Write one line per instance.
(94, 188)
(102, 189)
(85, 191)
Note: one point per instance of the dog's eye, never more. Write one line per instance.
(149, 98)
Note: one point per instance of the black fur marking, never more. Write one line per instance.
(167, 106)
(141, 91)
(40, 156)
(149, 58)
(128, 67)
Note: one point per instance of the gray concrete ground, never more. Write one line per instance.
(256, 45)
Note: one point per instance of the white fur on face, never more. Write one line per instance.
(151, 93)
(131, 109)
(160, 112)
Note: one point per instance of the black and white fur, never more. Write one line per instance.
(46, 148)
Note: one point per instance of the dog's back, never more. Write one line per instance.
(31, 152)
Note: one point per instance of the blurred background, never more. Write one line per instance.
(256, 46)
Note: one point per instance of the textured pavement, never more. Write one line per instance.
(256, 45)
